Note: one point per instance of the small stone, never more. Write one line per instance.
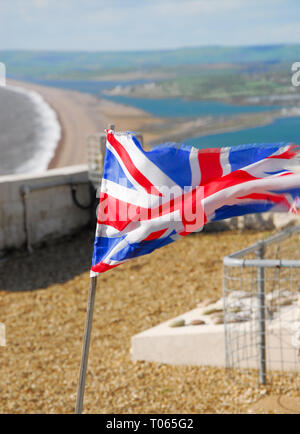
(211, 310)
(280, 296)
(238, 317)
(235, 320)
(177, 323)
(234, 309)
(284, 301)
(217, 315)
(218, 319)
(197, 322)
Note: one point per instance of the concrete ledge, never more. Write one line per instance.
(49, 212)
(46, 175)
(204, 345)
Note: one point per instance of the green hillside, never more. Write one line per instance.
(60, 64)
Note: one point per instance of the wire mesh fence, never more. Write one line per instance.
(262, 307)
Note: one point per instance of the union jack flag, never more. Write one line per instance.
(149, 199)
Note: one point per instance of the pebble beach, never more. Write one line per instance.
(79, 115)
(43, 305)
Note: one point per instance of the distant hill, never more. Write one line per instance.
(55, 64)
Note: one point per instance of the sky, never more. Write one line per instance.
(126, 25)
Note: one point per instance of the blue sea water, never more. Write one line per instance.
(22, 128)
(178, 107)
(87, 86)
(29, 131)
(281, 130)
(162, 107)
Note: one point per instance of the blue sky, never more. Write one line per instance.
(145, 24)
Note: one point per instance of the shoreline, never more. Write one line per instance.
(48, 133)
(224, 129)
(212, 125)
(80, 115)
(60, 145)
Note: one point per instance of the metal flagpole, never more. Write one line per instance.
(86, 339)
(86, 345)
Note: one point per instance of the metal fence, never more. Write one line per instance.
(262, 306)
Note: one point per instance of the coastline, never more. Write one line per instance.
(80, 115)
(48, 134)
(54, 162)
(212, 126)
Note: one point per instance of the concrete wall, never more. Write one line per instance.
(44, 213)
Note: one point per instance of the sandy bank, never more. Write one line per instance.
(80, 115)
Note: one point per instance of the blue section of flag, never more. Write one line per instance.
(174, 162)
(228, 211)
(102, 246)
(113, 171)
(243, 155)
(294, 192)
(276, 172)
(142, 248)
(105, 245)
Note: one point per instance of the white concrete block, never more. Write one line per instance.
(201, 345)
(187, 345)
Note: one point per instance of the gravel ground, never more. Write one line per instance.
(43, 300)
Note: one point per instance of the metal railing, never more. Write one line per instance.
(27, 189)
(262, 305)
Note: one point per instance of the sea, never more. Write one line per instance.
(30, 131)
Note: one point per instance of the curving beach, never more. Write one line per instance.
(80, 115)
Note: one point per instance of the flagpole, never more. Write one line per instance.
(86, 339)
(86, 345)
